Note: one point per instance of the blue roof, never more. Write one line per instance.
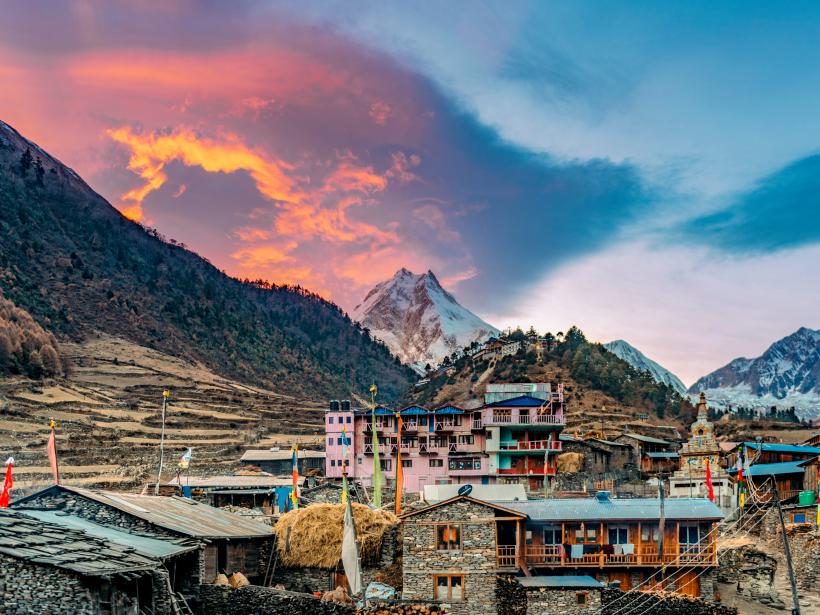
(774, 447)
(449, 409)
(381, 410)
(525, 401)
(663, 455)
(411, 410)
(772, 469)
(559, 582)
(593, 509)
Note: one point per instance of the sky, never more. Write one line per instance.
(646, 171)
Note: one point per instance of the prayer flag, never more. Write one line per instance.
(7, 484)
(709, 488)
(185, 460)
(294, 494)
(51, 450)
(344, 465)
(741, 495)
(350, 551)
(377, 468)
(399, 469)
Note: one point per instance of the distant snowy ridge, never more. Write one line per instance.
(786, 375)
(418, 320)
(642, 363)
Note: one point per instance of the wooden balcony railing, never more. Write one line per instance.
(506, 556)
(645, 555)
(532, 445)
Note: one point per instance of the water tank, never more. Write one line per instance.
(334, 405)
(345, 405)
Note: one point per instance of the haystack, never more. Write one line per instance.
(315, 538)
(568, 463)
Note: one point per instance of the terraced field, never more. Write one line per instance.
(108, 417)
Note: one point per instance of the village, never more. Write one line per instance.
(490, 509)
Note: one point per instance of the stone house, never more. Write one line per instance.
(50, 569)
(454, 550)
(564, 595)
(600, 456)
(279, 462)
(225, 542)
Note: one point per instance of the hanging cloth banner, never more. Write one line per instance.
(377, 468)
(709, 488)
(7, 484)
(294, 494)
(51, 450)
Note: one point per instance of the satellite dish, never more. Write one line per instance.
(465, 490)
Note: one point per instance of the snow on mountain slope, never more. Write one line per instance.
(786, 375)
(419, 320)
(641, 362)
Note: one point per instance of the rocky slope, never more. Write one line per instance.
(79, 267)
(642, 363)
(419, 320)
(786, 375)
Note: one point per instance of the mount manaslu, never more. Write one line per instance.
(786, 375)
(419, 320)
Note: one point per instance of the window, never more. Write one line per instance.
(466, 440)
(330, 420)
(386, 464)
(422, 421)
(332, 463)
(330, 441)
(618, 535)
(448, 537)
(552, 535)
(436, 463)
(407, 463)
(465, 463)
(649, 533)
(359, 460)
(586, 534)
(582, 598)
(449, 587)
(798, 517)
(689, 534)
(347, 419)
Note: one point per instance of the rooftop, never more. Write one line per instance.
(662, 455)
(774, 447)
(522, 401)
(486, 493)
(279, 455)
(182, 515)
(633, 509)
(33, 540)
(561, 582)
(236, 482)
(772, 469)
(642, 438)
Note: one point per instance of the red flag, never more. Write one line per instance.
(7, 484)
(399, 469)
(709, 487)
(51, 448)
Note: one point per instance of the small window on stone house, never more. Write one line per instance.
(582, 598)
(448, 537)
(449, 587)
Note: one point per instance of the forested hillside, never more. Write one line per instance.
(78, 266)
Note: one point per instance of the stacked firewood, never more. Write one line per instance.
(384, 608)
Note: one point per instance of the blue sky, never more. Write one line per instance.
(647, 171)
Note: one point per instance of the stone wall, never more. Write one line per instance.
(752, 571)
(223, 600)
(615, 601)
(511, 596)
(804, 542)
(476, 560)
(31, 589)
(542, 601)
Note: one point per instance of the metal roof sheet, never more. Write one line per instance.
(235, 482)
(772, 469)
(774, 447)
(279, 455)
(178, 514)
(410, 410)
(662, 455)
(28, 538)
(594, 509)
(486, 493)
(560, 582)
(642, 438)
(449, 409)
(522, 401)
(144, 545)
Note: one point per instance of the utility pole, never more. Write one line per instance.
(661, 524)
(787, 551)
(165, 395)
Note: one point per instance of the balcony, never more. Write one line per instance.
(531, 445)
(520, 418)
(446, 424)
(478, 424)
(383, 449)
(531, 471)
(645, 555)
(506, 556)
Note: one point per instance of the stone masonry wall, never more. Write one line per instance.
(31, 589)
(541, 601)
(805, 547)
(752, 571)
(222, 600)
(476, 560)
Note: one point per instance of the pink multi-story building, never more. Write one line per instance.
(507, 440)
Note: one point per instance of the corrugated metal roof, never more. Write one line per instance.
(641, 438)
(774, 447)
(182, 515)
(638, 509)
(559, 582)
(144, 545)
(27, 538)
(523, 401)
(235, 482)
(486, 493)
(772, 469)
(449, 409)
(662, 455)
(410, 410)
(280, 455)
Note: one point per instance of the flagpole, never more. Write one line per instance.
(53, 425)
(165, 395)
(377, 471)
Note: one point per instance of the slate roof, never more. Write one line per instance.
(144, 545)
(182, 515)
(561, 582)
(772, 469)
(632, 509)
(25, 538)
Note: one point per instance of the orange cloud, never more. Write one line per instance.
(250, 234)
(263, 256)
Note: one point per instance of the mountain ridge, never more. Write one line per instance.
(641, 362)
(418, 319)
(78, 266)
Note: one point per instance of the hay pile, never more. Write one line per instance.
(311, 537)
(569, 463)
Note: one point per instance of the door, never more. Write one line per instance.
(623, 577)
(689, 584)
(340, 580)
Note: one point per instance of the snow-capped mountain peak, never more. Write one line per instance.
(642, 363)
(787, 374)
(419, 320)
